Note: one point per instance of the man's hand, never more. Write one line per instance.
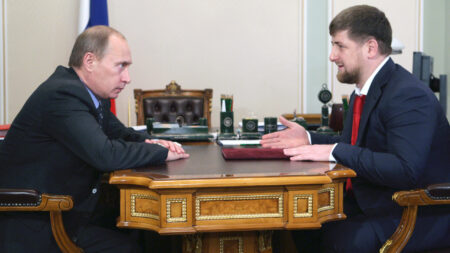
(172, 146)
(175, 150)
(309, 152)
(293, 136)
(172, 156)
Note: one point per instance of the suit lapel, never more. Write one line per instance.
(373, 96)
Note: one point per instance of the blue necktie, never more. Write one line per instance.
(100, 114)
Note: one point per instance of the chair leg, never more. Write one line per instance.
(401, 236)
(59, 233)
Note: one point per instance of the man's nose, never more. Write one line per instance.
(126, 76)
(332, 56)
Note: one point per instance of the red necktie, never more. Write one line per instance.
(357, 110)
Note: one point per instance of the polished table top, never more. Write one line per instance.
(206, 163)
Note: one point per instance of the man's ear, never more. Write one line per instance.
(89, 61)
(372, 47)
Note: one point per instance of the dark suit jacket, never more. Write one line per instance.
(56, 145)
(403, 141)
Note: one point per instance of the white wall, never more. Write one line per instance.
(39, 36)
(2, 74)
(246, 48)
(249, 48)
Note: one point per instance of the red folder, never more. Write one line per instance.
(258, 153)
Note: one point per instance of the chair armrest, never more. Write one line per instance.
(437, 194)
(21, 197)
(439, 191)
(31, 200)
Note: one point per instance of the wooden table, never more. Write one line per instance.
(229, 206)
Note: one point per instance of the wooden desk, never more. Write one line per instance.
(214, 201)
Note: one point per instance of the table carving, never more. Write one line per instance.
(223, 206)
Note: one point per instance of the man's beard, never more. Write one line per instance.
(348, 77)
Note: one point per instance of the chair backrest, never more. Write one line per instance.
(168, 104)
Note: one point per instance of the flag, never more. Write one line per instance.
(94, 12)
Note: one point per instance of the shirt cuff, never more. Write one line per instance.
(331, 158)
(309, 137)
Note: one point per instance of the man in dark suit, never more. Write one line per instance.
(403, 140)
(65, 138)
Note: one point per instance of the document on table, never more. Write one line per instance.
(239, 142)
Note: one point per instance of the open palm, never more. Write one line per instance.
(293, 136)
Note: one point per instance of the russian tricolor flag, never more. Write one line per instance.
(94, 12)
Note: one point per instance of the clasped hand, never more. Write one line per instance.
(295, 143)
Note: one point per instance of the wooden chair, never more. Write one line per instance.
(168, 104)
(25, 200)
(438, 194)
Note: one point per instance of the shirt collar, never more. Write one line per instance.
(367, 84)
(93, 97)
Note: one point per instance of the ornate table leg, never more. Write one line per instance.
(239, 242)
(192, 243)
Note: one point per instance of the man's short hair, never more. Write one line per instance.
(363, 22)
(95, 40)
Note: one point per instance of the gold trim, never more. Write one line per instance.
(133, 198)
(331, 206)
(198, 200)
(238, 238)
(309, 197)
(386, 246)
(183, 217)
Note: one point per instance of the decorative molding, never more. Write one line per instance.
(198, 201)
(331, 205)
(233, 238)
(133, 198)
(173, 88)
(183, 217)
(308, 197)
